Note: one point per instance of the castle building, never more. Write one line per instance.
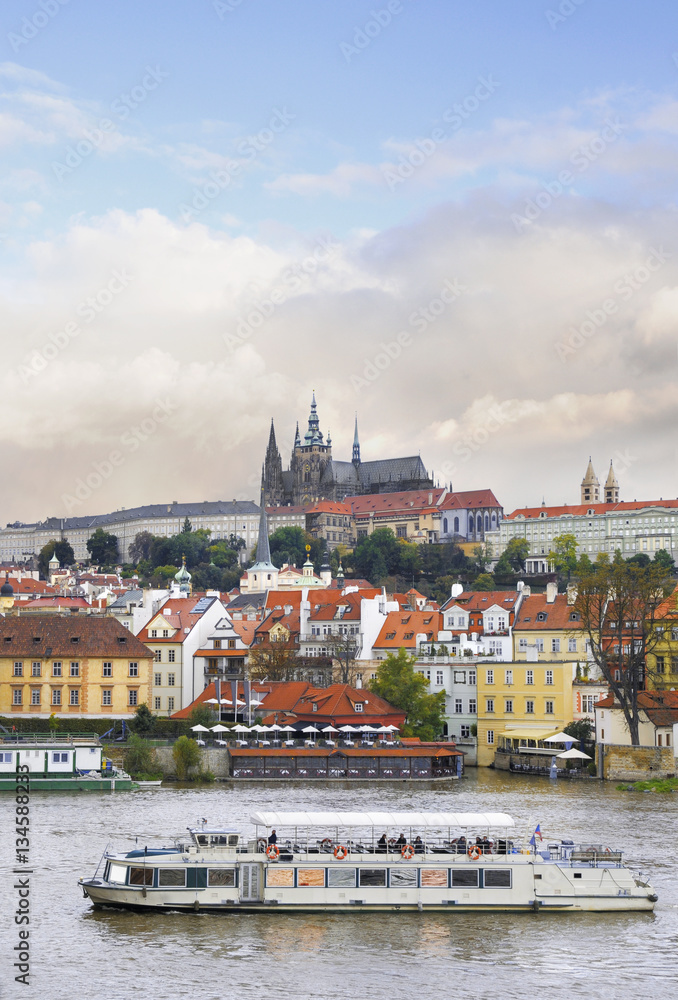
(315, 475)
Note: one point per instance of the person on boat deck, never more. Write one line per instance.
(382, 844)
(273, 839)
(418, 845)
(400, 842)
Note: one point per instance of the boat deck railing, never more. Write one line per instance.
(393, 849)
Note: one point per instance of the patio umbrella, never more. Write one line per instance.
(330, 729)
(199, 729)
(573, 754)
(368, 729)
(384, 729)
(211, 701)
(287, 729)
(310, 729)
(219, 728)
(559, 738)
(276, 728)
(240, 729)
(258, 729)
(348, 729)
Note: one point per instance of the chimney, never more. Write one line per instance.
(551, 592)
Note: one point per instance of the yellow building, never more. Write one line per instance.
(71, 665)
(662, 662)
(531, 697)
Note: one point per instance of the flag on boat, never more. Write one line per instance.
(537, 833)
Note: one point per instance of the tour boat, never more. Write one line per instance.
(332, 861)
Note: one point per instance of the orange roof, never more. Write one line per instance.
(537, 614)
(661, 707)
(282, 598)
(581, 510)
(329, 507)
(411, 501)
(245, 630)
(429, 750)
(402, 627)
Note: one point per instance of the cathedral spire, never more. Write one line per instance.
(590, 485)
(356, 444)
(611, 487)
(297, 437)
(313, 434)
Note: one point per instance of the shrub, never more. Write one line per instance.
(139, 758)
(186, 754)
(591, 768)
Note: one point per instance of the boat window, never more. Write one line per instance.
(341, 878)
(403, 876)
(233, 841)
(221, 876)
(279, 876)
(202, 839)
(171, 877)
(141, 876)
(220, 841)
(372, 876)
(434, 876)
(465, 877)
(311, 876)
(117, 874)
(497, 878)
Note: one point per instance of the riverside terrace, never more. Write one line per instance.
(422, 762)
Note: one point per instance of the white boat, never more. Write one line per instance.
(370, 861)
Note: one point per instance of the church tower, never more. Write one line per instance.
(272, 474)
(590, 486)
(356, 445)
(310, 456)
(611, 487)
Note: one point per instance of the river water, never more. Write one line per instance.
(78, 952)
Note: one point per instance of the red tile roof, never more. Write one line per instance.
(558, 614)
(96, 636)
(661, 707)
(581, 510)
(411, 501)
(402, 627)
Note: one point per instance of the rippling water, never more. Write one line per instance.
(79, 952)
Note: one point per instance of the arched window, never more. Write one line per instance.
(445, 525)
(456, 525)
(487, 522)
(494, 518)
(479, 524)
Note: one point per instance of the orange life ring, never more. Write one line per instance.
(474, 852)
(340, 852)
(407, 851)
(273, 852)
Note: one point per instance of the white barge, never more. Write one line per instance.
(368, 861)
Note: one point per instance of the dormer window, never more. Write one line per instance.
(358, 706)
(542, 616)
(574, 617)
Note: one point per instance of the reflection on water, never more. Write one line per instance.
(167, 956)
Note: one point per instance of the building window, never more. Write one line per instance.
(56, 669)
(471, 676)
(107, 696)
(74, 698)
(170, 704)
(133, 699)
(490, 737)
(465, 732)
(107, 670)
(529, 707)
(18, 669)
(439, 677)
(660, 664)
(472, 706)
(156, 704)
(134, 670)
(572, 645)
(56, 696)
(549, 708)
(154, 633)
(165, 633)
(36, 669)
(490, 676)
(555, 645)
(540, 645)
(157, 655)
(458, 706)
(35, 696)
(217, 644)
(17, 696)
(522, 644)
(358, 706)
(171, 655)
(157, 680)
(508, 705)
(509, 677)
(401, 531)
(489, 705)
(529, 676)
(75, 669)
(549, 677)
(170, 680)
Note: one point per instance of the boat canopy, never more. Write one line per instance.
(421, 820)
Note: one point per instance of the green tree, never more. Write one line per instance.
(564, 554)
(485, 581)
(139, 759)
(640, 559)
(516, 552)
(663, 558)
(377, 555)
(584, 565)
(161, 574)
(621, 606)
(404, 687)
(143, 720)
(186, 754)
(481, 557)
(103, 547)
(63, 551)
(187, 527)
(288, 545)
(141, 546)
(202, 715)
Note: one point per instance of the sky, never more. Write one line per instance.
(455, 219)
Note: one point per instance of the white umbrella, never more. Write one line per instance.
(310, 729)
(275, 727)
(219, 728)
(287, 729)
(211, 701)
(385, 729)
(572, 754)
(258, 729)
(199, 729)
(560, 738)
(348, 729)
(330, 729)
(241, 729)
(368, 729)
